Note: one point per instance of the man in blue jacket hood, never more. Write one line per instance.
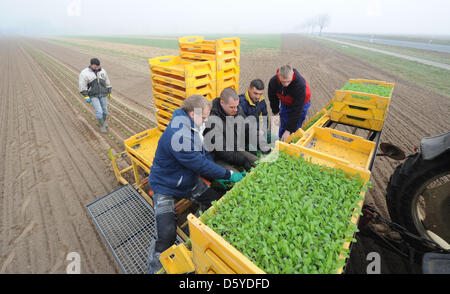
(180, 159)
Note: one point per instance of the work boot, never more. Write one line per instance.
(104, 119)
(153, 264)
(102, 126)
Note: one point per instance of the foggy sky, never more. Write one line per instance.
(175, 17)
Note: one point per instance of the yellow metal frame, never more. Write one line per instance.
(177, 260)
(143, 159)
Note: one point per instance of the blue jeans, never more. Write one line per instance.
(284, 117)
(100, 106)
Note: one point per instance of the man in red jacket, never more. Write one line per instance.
(289, 97)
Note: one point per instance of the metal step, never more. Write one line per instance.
(127, 223)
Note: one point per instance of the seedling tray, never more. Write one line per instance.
(342, 147)
(213, 254)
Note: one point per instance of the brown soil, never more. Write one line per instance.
(55, 160)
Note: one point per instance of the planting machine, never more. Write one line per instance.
(344, 135)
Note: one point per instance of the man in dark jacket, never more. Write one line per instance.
(228, 133)
(179, 161)
(289, 96)
(254, 105)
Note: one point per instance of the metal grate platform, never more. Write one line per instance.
(127, 223)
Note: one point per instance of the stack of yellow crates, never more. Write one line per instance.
(225, 52)
(361, 108)
(203, 68)
(175, 79)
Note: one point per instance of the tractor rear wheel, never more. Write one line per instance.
(418, 198)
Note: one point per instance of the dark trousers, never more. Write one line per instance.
(166, 222)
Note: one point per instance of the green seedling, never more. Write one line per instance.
(382, 91)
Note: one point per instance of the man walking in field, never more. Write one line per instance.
(289, 96)
(95, 86)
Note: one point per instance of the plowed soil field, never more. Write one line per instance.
(54, 160)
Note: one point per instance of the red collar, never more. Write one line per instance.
(278, 77)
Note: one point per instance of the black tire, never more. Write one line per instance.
(404, 184)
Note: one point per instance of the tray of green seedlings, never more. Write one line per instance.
(291, 216)
(380, 90)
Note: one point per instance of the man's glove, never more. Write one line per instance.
(87, 99)
(236, 177)
(248, 165)
(109, 95)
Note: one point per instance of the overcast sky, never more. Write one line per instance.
(113, 17)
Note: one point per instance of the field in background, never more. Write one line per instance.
(431, 77)
(249, 43)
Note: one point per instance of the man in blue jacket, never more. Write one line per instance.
(180, 160)
(253, 104)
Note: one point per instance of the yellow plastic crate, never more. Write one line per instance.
(351, 97)
(348, 149)
(208, 90)
(205, 56)
(230, 82)
(166, 104)
(185, 83)
(142, 147)
(296, 138)
(176, 66)
(370, 124)
(163, 119)
(213, 254)
(229, 63)
(359, 110)
(197, 43)
(164, 112)
(172, 99)
(226, 73)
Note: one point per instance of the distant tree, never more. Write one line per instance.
(322, 22)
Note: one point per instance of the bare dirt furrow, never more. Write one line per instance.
(46, 216)
(79, 181)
